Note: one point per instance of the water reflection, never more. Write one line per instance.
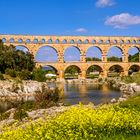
(86, 93)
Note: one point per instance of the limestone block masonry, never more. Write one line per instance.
(61, 43)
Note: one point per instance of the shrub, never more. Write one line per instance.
(20, 114)
(1, 76)
(48, 97)
(10, 72)
(24, 75)
(39, 75)
(4, 116)
(82, 123)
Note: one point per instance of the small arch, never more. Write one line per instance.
(79, 41)
(115, 42)
(28, 41)
(42, 41)
(93, 41)
(121, 41)
(71, 54)
(134, 42)
(133, 69)
(72, 41)
(128, 42)
(133, 54)
(86, 41)
(57, 41)
(72, 72)
(64, 41)
(100, 41)
(12, 40)
(20, 40)
(93, 71)
(114, 54)
(35, 41)
(115, 71)
(107, 41)
(4, 40)
(49, 41)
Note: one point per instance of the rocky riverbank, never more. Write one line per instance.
(17, 91)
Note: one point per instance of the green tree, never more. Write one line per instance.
(10, 58)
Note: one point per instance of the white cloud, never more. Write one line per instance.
(122, 20)
(81, 30)
(104, 3)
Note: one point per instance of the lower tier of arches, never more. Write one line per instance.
(87, 70)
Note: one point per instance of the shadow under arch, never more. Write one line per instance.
(72, 72)
(94, 53)
(93, 71)
(115, 70)
(46, 54)
(133, 54)
(133, 68)
(71, 54)
(115, 54)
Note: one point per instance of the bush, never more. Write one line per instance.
(20, 114)
(1, 76)
(47, 97)
(4, 116)
(10, 72)
(82, 123)
(39, 75)
(24, 75)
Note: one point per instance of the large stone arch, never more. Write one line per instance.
(94, 70)
(76, 73)
(40, 50)
(53, 67)
(133, 68)
(94, 52)
(22, 47)
(115, 53)
(133, 50)
(66, 49)
(115, 68)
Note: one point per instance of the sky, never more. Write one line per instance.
(70, 17)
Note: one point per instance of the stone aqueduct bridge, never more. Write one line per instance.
(60, 43)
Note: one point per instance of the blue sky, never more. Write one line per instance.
(70, 17)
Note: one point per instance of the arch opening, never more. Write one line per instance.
(133, 69)
(50, 72)
(93, 71)
(114, 54)
(22, 48)
(133, 54)
(115, 70)
(72, 54)
(93, 54)
(46, 54)
(12, 40)
(72, 72)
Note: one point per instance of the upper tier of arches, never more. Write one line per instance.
(69, 39)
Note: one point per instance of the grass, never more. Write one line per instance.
(132, 102)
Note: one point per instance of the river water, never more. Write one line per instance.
(86, 93)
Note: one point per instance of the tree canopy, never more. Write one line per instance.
(10, 58)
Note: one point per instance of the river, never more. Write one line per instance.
(86, 93)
